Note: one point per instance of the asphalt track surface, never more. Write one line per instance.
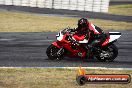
(28, 50)
(120, 2)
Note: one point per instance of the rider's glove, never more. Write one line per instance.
(73, 42)
(70, 38)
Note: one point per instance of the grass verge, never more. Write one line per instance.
(121, 9)
(25, 22)
(51, 78)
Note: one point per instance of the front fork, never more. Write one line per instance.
(60, 52)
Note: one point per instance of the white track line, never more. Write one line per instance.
(98, 68)
(6, 39)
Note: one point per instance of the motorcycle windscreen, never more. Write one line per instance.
(59, 36)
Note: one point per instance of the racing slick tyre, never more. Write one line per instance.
(52, 53)
(108, 54)
(81, 80)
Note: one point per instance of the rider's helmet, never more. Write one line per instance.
(82, 24)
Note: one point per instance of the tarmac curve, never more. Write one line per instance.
(28, 50)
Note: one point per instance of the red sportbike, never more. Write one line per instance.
(64, 47)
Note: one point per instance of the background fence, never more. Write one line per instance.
(81, 5)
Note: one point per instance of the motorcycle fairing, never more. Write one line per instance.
(55, 44)
(68, 47)
(112, 37)
(80, 39)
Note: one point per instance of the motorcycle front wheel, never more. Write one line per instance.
(52, 53)
(108, 54)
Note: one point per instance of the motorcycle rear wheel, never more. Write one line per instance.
(52, 53)
(112, 52)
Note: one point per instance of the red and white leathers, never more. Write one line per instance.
(91, 34)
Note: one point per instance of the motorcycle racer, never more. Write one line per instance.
(87, 41)
(88, 31)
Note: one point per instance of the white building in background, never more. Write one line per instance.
(81, 5)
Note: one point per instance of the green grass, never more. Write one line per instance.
(51, 78)
(25, 22)
(121, 9)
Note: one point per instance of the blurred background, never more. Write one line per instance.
(81, 5)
